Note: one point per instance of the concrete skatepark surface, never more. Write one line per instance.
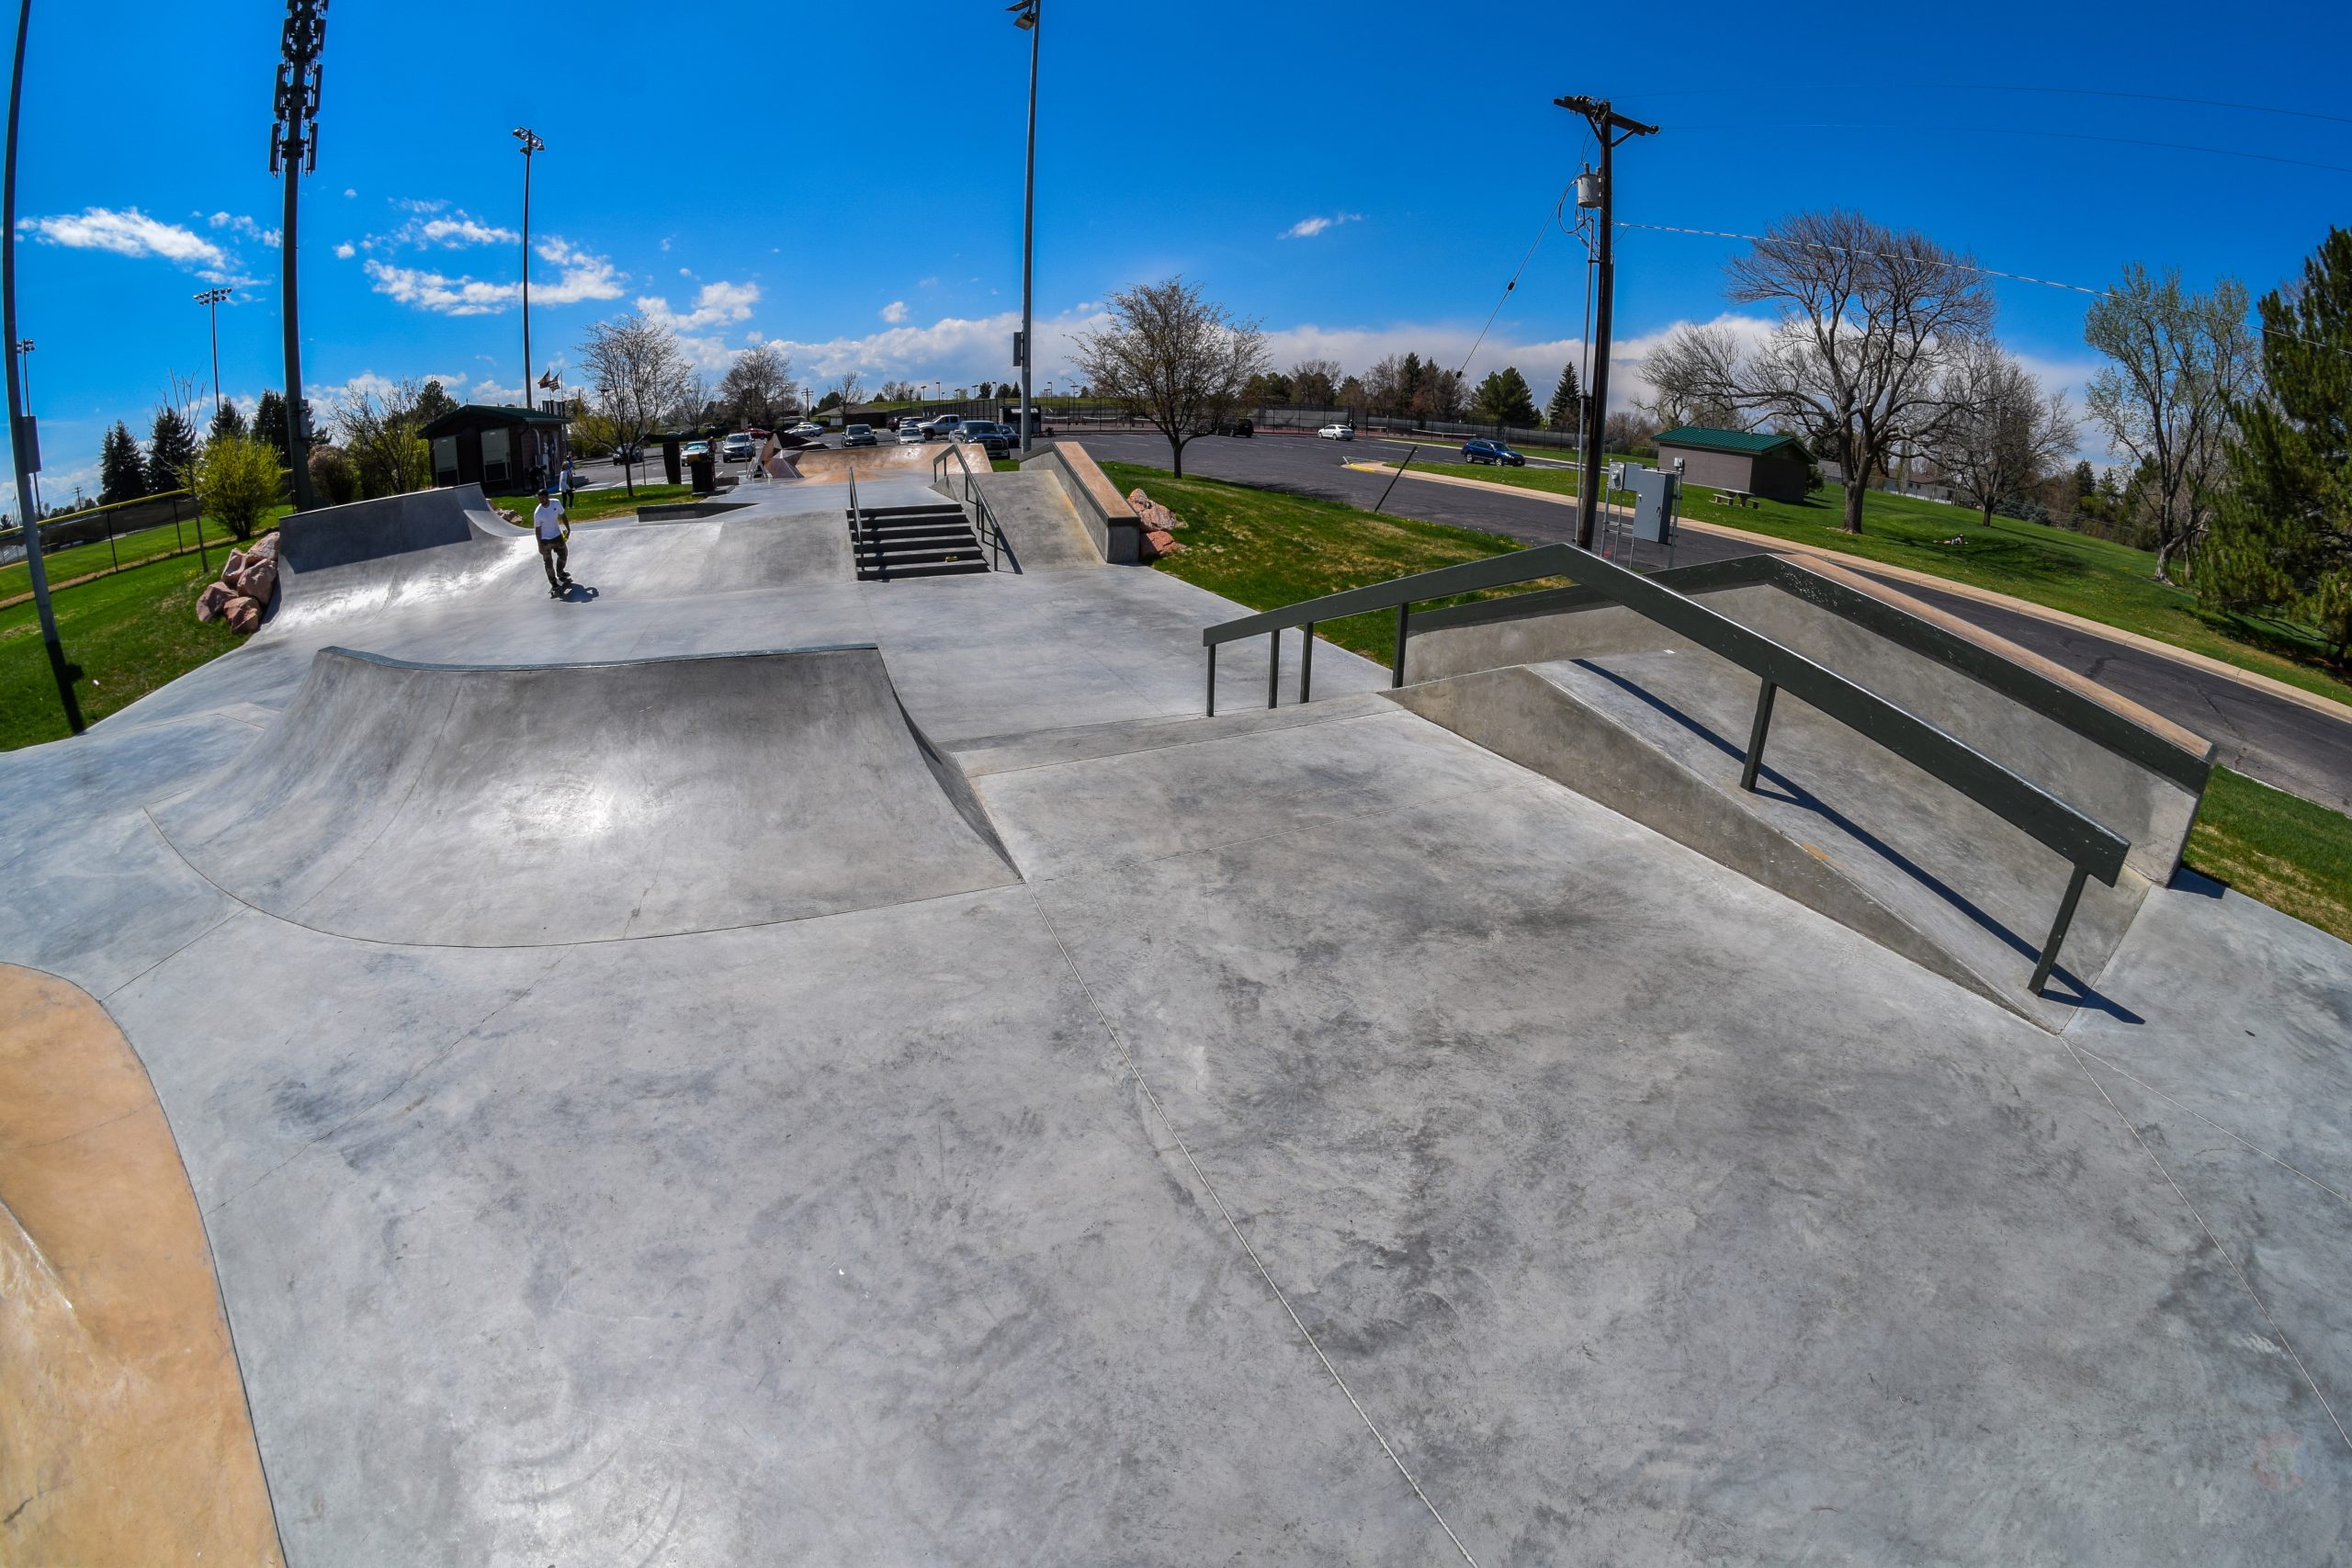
(1300, 1136)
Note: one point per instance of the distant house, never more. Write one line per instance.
(497, 448)
(1759, 462)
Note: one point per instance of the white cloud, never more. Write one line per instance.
(895, 312)
(1308, 227)
(452, 233)
(241, 224)
(491, 392)
(715, 304)
(345, 250)
(126, 231)
(348, 191)
(582, 277)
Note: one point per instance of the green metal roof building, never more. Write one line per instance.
(1758, 461)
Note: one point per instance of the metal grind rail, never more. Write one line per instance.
(2092, 848)
(990, 533)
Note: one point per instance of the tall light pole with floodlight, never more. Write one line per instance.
(210, 298)
(1026, 20)
(293, 153)
(531, 143)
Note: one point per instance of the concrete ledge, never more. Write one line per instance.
(1109, 520)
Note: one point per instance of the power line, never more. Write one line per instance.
(1752, 126)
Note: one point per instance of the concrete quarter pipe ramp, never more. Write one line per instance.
(496, 806)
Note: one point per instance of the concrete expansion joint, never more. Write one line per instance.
(1160, 1112)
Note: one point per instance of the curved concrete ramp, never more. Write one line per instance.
(495, 806)
(340, 561)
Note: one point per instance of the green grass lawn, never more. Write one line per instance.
(148, 544)
(130, 632)
(1266, 550)
(2286, 851)
(2095, 579)
(595, 505)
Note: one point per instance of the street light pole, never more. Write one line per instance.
(293, 153)
(24, 441)
(1610, 128)
(1027, 22)
(210, 298)
(531, 143)
(25, 368)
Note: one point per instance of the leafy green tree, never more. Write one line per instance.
(1566, 408)
(432, 402)
(238, 479)
(1505, 397)
(171, 452)
(122, 468)
(227, 420)
(2281, 539)
(334, 478)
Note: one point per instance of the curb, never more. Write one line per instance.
(2250, 679)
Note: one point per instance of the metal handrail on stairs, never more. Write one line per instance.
(991, 532)
(2092, 848)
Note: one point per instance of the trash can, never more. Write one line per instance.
(705, 471)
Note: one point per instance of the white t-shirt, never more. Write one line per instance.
(546, 520)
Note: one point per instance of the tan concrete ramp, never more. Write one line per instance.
(123, 1432)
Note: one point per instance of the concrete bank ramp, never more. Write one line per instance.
(477, 805)
(1615, 707)
(1041, 525)
(342, 562)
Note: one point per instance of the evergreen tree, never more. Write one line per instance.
(1566, 410)
(2282, 535)
(171, 452)
(2085, 482)
(122, 468)
(269, 422)
(227, 420)
(432, 402)
(1505, 397)
(1411, 378)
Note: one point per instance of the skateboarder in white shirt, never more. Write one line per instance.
(547, 521)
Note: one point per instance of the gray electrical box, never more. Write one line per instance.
(1657, 497)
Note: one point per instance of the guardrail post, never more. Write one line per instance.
(1755, 736)
(2058, 928)
(1212, 680)
(1396, 669)
(1275, 668)
(1305, 659)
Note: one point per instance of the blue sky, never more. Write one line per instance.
(847, 180)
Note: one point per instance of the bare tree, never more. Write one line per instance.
(849, 389)
(1179, 359)
(2179, 359)
(693, 400)
(640, 373)
(755, 385)
(2002, 434)
(1868, 320)
(1314, 383)
(1693, 373)
(380, 432)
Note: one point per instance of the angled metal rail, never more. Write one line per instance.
(2092, 848)
(984, 514)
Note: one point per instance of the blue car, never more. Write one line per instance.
(1483, 451)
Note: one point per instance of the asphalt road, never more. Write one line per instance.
(2268, 737)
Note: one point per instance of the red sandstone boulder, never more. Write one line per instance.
(209, 604)
(243, 615)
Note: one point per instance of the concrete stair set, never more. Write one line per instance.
(934, 540)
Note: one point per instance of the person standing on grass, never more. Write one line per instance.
(549, 522)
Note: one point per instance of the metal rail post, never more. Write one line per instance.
(1755, 736)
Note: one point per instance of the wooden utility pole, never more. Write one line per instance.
(1609, 128)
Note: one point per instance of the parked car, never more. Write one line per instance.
(859, 435)
(736, 448)
(694, 450)
(1484, 451)
(630, 455)
(942, 428)
(986, 433)
(1241, 427)
(910, 433)
(1337, 433)
(807, 428)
